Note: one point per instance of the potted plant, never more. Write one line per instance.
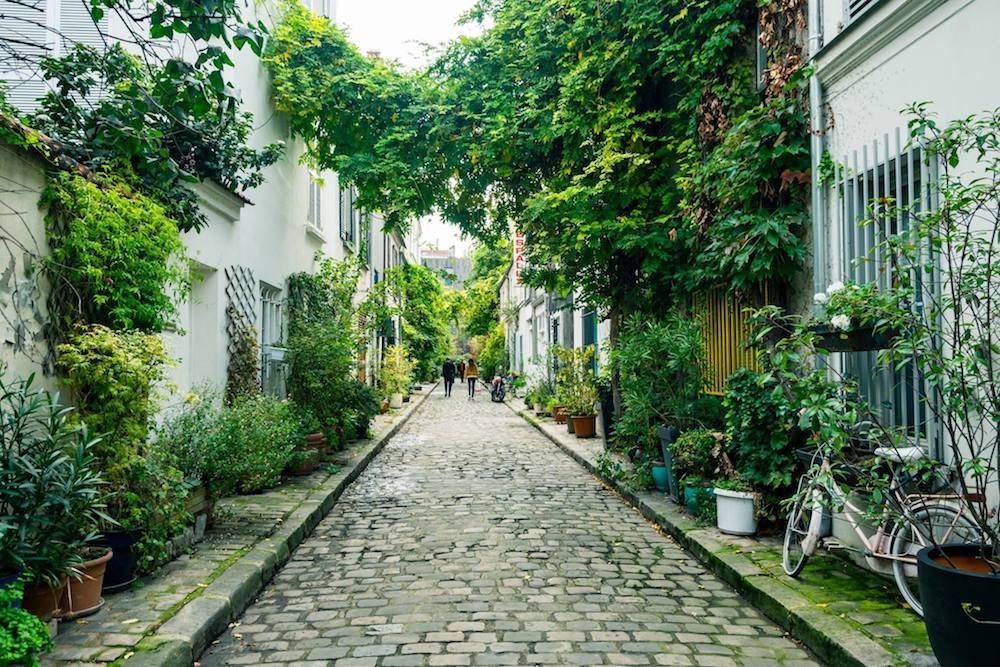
(557, 408)
(736, 507)
(23, 637)
(82, 594)
(698, 494)
(695, 454)
(50, 493)
(395, 376)
(303, 462)
(849, 317)
(660, 476)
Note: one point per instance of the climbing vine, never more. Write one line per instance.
(116, 258)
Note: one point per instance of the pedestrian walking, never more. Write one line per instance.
(448, 373)
(461, 369)
(471, 376)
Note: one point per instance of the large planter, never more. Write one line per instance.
(396, 401)
(82, 597)
(559, 414)
(606, 406)
(42, 600)
(860, 338)
(961, 606)
(668, 434)
(308, 465)
(736, 512)
(120, 572)
(8, 580)
(570, 426)
(661, 477)
(584, 426)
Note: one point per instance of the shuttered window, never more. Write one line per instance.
(855, 8)
(38, 28)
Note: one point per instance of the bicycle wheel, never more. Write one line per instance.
(932, 524)
(793, 555)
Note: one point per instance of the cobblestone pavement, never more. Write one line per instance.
(471, 539)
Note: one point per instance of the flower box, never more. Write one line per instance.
(861, 338)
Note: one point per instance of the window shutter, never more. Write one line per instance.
(856, 8)
(26, 25)
(77, 27)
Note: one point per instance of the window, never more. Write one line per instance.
(271, 322)
(45, 28)
(348, 216)
(590, 333)
(867, 185)
(314, 215)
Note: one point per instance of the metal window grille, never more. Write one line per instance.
(880, 190)
(723, 329)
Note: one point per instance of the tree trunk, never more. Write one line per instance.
(614, 333)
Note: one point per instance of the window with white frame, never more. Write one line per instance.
(879, 191)
(314, 214)
(348, 216)
(272, 325)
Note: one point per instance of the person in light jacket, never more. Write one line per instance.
(471, 376)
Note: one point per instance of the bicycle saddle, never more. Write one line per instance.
(900, 454)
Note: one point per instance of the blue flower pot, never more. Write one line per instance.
(694, 496)
(661, 478)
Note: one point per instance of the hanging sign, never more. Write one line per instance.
(519, 261)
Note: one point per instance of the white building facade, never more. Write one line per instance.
(872, 59)
(241, 260)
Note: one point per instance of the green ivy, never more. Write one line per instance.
(424, 316)
(116, 258)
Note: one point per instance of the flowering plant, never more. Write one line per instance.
(846, 306)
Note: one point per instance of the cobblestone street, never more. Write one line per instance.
(471, 539)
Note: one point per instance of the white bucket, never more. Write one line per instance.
(736, 512)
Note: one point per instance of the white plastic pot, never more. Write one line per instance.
(736, 512)
(396, 401)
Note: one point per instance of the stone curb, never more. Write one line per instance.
(184, 636)
(828, 637)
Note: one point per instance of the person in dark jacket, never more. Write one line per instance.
(448, 373)
(461, 369)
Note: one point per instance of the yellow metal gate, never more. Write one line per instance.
(724, 328)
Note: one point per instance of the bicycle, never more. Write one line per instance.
(908, 522)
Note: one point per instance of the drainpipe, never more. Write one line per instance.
(818, 145)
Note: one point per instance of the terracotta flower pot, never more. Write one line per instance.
(559, 414)
(41, 599)
(82, 597)
(318, 442)
(585, 426)
(310, 464)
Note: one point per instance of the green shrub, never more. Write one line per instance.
(493, 357)
(50, 491)
(255, 438)
(695, 454)
(117, 250)
(397, 370)
(661, 366)
(758, 440)
(113, 377)
(22, 636)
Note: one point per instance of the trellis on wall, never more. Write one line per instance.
(241, 329)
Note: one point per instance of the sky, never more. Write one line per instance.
(399, 30)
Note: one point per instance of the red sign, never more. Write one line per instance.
(519, 261)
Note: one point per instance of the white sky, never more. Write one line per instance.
(399, 30)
